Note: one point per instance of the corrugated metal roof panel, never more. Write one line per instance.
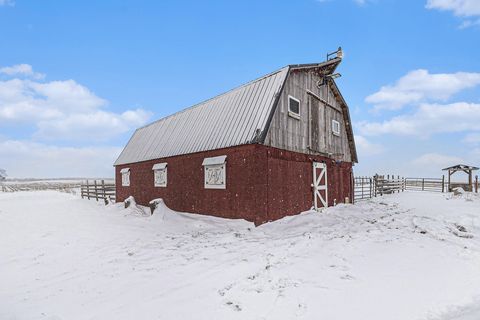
(227, 120)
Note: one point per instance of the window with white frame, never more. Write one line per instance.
(293, 107)
(160, 174)
(215, 172)
(336, 127)
(125, 172)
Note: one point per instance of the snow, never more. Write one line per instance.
(404, 256)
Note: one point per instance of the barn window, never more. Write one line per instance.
(215, 173)
(125, 177)
(336, 127)
(160, 174)
(293, 107)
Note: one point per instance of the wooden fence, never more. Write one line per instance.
(388, 184)
(98, 190)
(426, 184)
(369, 187)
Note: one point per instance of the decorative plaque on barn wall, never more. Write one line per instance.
(215, 177)
(160, 174)
(161, 178)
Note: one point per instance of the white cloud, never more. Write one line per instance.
(99, 125)
(420, 86)
(427, 120)
(437, 160)
(462, 8)
(366, 148)
(22, 70)
(62, 110)
(25, 159)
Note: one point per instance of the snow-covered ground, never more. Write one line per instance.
(406, 256)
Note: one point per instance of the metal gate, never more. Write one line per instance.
(320, 190)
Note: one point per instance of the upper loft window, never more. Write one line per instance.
(125, 172)
(336, 127)
(293, 107)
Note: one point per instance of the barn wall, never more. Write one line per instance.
(312, 133)
(290, 178)
(263, 183)
(244, 196)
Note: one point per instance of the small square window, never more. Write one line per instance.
(293, 107)
(336, 127)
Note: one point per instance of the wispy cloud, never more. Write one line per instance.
(468, 9)
(437, 160)
(62, 109)
(25, 70)
(421, 86)
(27, 159)
(61, 112)
(427, 120)
(7, 3)
(367, 148)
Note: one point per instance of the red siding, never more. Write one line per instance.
(263, 183)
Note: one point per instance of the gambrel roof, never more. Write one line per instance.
(237, 117)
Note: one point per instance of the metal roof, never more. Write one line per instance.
(234, 118)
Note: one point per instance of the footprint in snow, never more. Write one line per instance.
(347, 277)
(234, 306)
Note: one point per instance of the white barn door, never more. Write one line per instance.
(320, 189)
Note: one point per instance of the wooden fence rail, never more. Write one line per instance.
(426, 184)
(388, 184)
(98, 190)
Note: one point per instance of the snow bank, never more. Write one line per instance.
(66, 258)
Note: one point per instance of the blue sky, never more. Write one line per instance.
(77, 77)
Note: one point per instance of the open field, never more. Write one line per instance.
(404, 256)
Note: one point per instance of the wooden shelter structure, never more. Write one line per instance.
(461, 167)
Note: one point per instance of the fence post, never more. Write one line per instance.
(370, 189)
(103, 189)
(96, 190)
(423, 184)
(88, 191)
(476, 184)
(443, 183)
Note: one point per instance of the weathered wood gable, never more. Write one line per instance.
(311, 133)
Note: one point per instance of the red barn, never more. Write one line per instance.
(276, 146)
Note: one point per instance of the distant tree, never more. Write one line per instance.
(3, 175)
